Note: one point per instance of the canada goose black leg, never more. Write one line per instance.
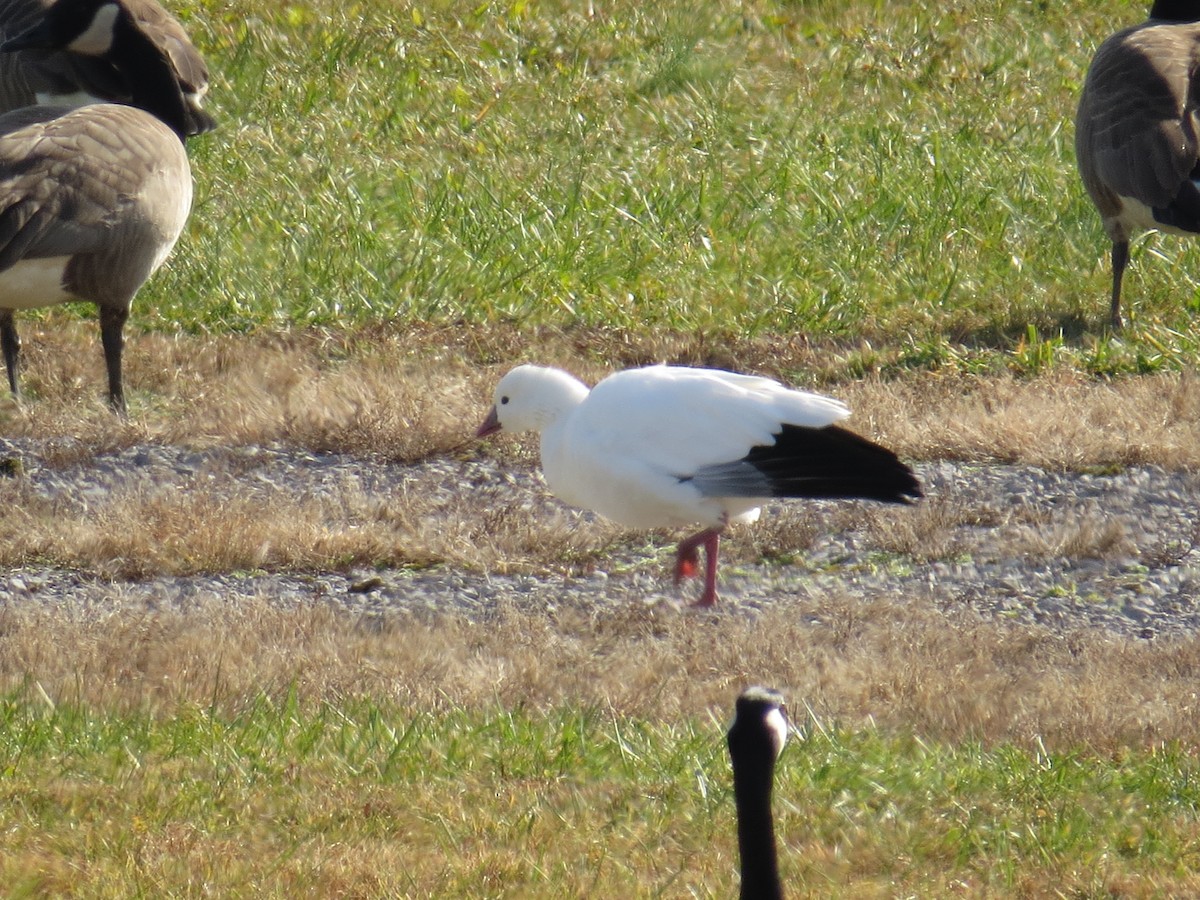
(1120, 259)
(11, 345)
(112, 336)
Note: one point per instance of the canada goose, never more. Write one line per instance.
(756, 739)
(91, 199)
(1137, 131)
(65, 78)
(665, 446)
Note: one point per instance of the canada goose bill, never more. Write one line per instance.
(1135, 131)
(91, 199)
(58, 77)
(755, 739)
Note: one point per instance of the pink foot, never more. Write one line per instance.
(687, 560)
(687, 564)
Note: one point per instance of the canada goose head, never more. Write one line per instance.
(107, 30)
(66, 78)
(755, 740)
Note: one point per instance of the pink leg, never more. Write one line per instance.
(688, 557)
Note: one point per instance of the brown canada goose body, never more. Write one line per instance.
(100, 193)
(92, 199)
(66, 78)
(1137, 131)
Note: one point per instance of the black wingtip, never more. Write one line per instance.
(834, 463)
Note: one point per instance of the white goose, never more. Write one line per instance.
(667, 446)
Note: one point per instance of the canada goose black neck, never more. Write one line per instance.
(1175, 11)
(755, 740)
(150, 75)
(106, 29)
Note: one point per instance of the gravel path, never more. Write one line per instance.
(1118, 551)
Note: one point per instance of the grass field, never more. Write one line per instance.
(403, 199)
(897, 174)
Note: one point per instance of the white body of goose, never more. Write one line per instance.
(666, 446)
(1137, 131)
(92, 199)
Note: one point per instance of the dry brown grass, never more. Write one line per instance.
(902, 666)
(320, 392)
(404, 393)
(217, 523)
(1058, 421)
(401, 395)
(942, 527)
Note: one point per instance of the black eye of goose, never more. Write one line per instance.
(503, 400)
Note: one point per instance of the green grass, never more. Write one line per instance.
(900, 174)
(374, 799)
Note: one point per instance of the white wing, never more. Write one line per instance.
(682, 419)
(625, 449)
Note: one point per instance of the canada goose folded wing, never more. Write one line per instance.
(76, 186)
(1137, 117)
(29, 231)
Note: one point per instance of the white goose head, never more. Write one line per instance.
(532, 398)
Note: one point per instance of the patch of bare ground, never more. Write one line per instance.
(901, 666)
(151, 511)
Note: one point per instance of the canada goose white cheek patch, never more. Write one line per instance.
(777, 725)
(34, 283)
(97, 39)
